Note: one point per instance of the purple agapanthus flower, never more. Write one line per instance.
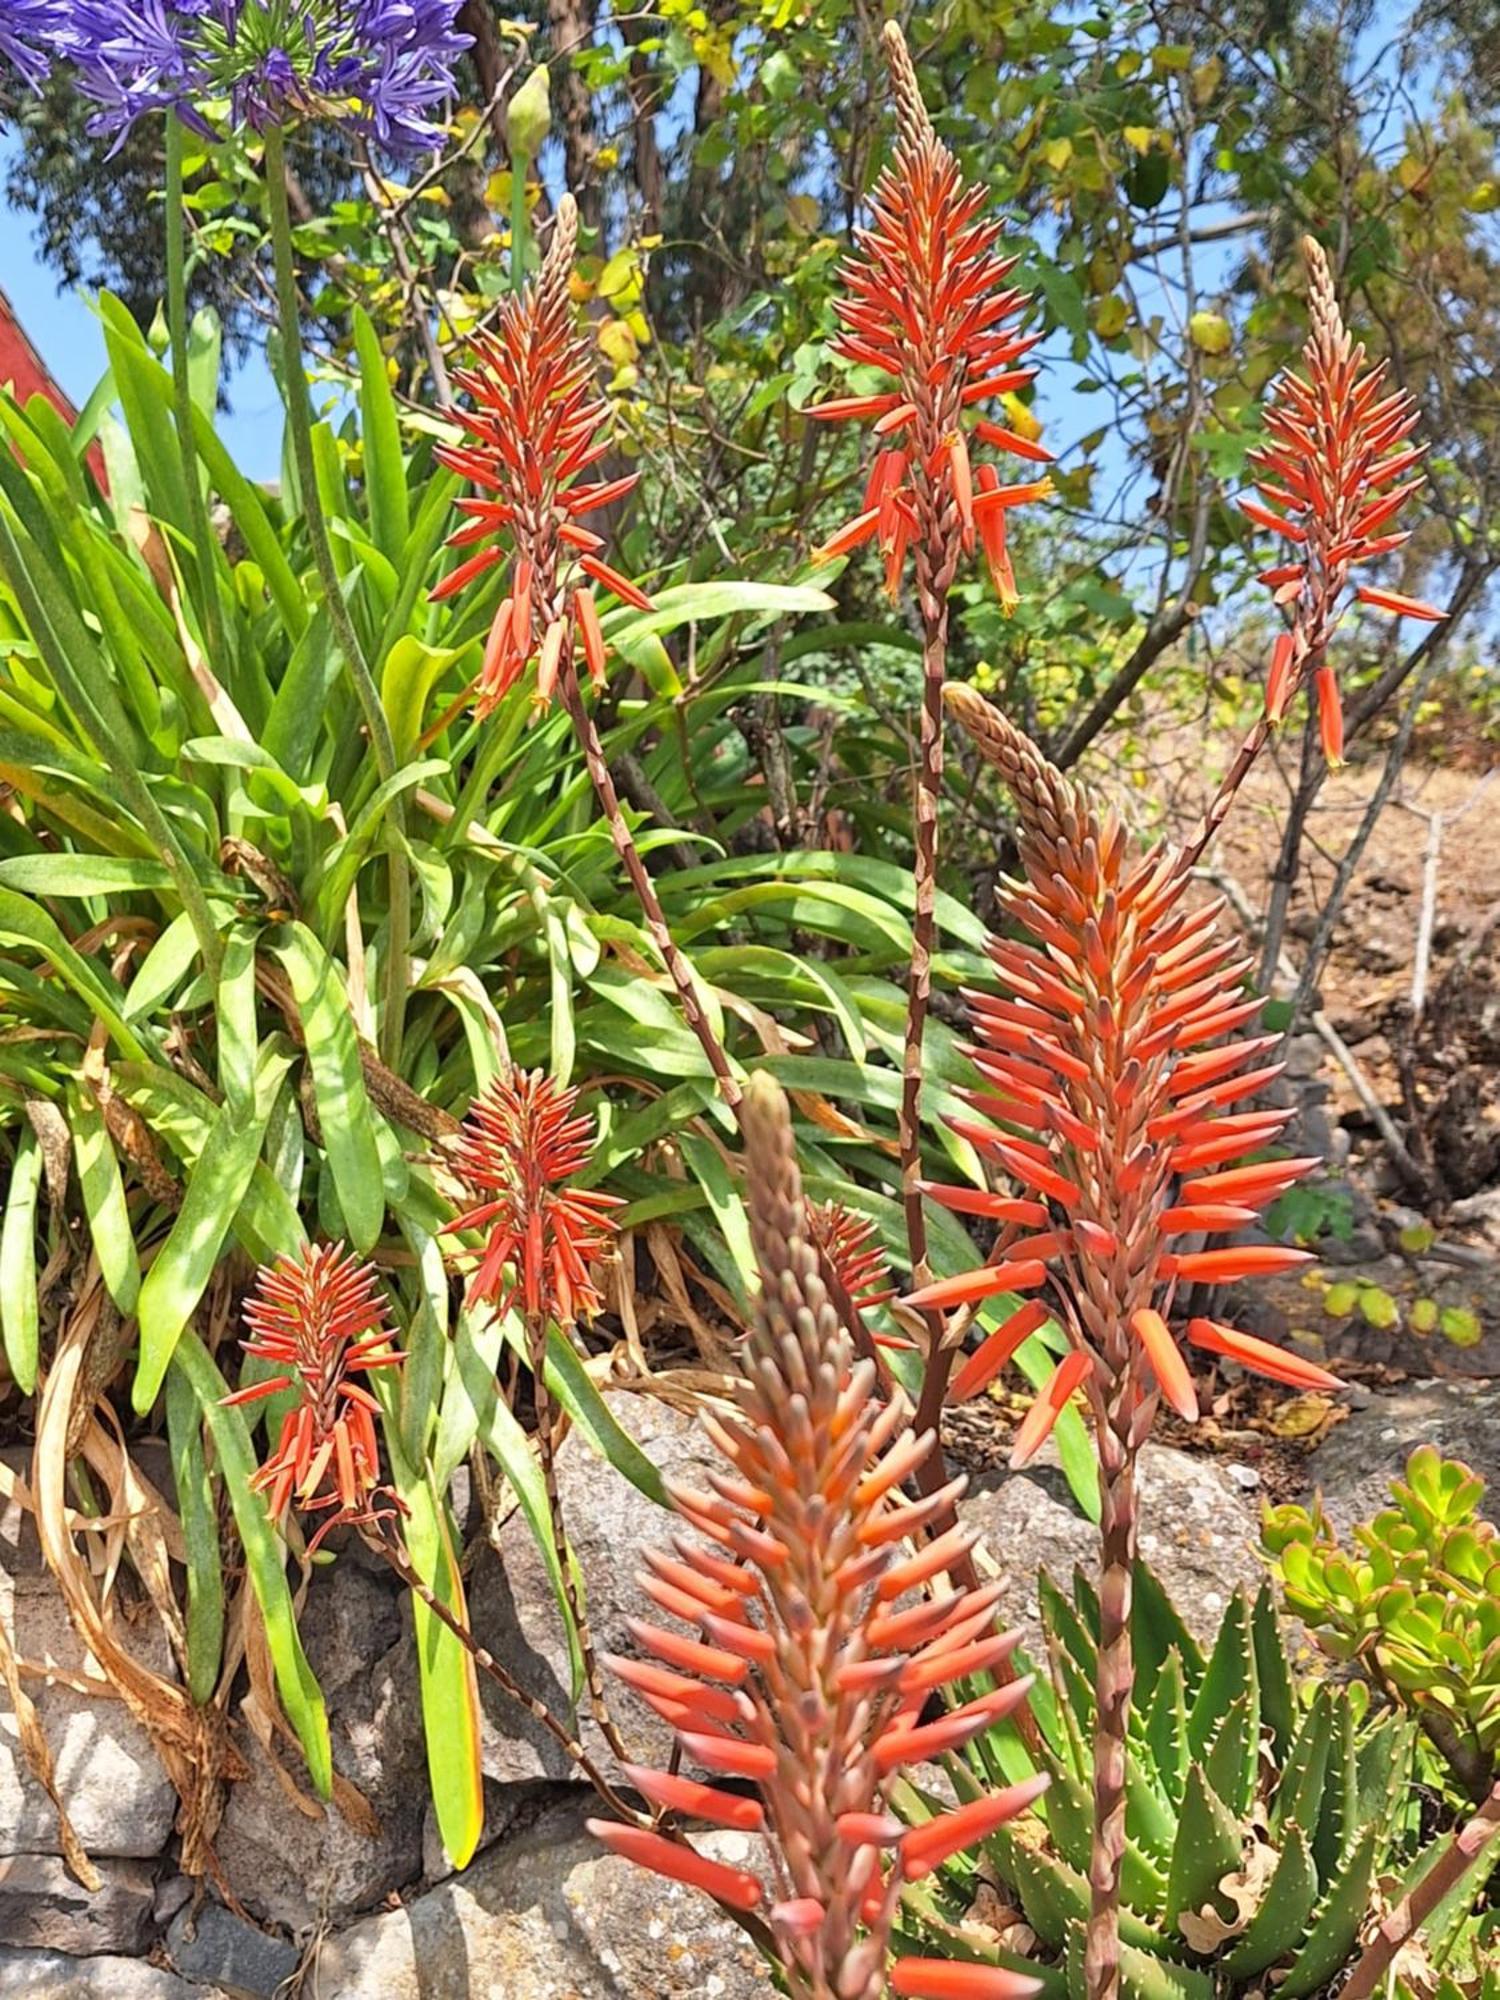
(32, 32)
(383, 67)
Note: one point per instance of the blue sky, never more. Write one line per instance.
(64, 331)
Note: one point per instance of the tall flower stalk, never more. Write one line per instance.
(536, 425)
(1112, 1098)
(802, 1656)
(929, 308)
(395, 979)
(182, 392)
(518, 1149)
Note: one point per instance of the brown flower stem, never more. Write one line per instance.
(536, 1333)
(1113, 1687)
(1406, 1920)
(379, 1536)
(919, 982)
(645, 889)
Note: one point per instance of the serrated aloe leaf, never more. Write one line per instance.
(1381, 1773)
(1229, 1677)
(1337, 1823)
(1281, 1920)
(1149, 1816)
(1053, 1895)
(1156, 1629)
(1278, 1697)
(1166, 1728)
(1143, 1976)
(1208, 1846)
(1335, 1924)
(1086, 1601)
(1300, 1793)
(1063, 1627)
(1232, 1760)
(1068, 1809)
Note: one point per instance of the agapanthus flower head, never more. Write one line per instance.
(1334, 477)
(930, 306)
(33, 33)
(382, 67)
(536, 425)
(1114, 1105)
(804, 1652)
(320, 1320)
(521, 1143)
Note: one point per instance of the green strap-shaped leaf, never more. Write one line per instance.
(338, 1082)
(104, 1203)
(449, 1679)
(24, 922)
(200, 1534)
(18, 1297)
(1282, 1918)
(185, 1263)
(83, 875)
(265, 1558)
(1208, 1846)
(569, 1383)
(385, 471)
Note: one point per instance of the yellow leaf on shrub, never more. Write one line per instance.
(1210, 333)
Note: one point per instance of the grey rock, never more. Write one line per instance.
(299, 1868)
(112, 1784)
(242, 1961)
(51, 1975)
(1199, 1530)
(548, 1915)
(1355, 1463)
(515, 1615)
(43, 1908)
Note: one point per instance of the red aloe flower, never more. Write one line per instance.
(321, 1321)
(930, 307)
(797, 1669)
(536, 427)
(520, 1144)
(1334, 481)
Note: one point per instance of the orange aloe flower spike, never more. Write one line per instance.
(822, 1712)
(320, 1321)
(1330, 484)
(536, 425)
(929, 304)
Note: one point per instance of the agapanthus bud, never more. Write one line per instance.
(799, 1672)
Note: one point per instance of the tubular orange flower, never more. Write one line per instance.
(931, 307)
(805, 1679)
(536, 427)
(321, 1321)
(1334, 479)
(519, 1145)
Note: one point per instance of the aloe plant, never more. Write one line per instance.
(1259, 1819)
(1415, 1600)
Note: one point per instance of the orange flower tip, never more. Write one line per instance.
(1261, 1357)
(953, 1979)
(799, 1917)
(1167, 1364)
(865, 1829)
(686, 1795)
(730, 1886)
(1397, 602)
(969, 1287)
